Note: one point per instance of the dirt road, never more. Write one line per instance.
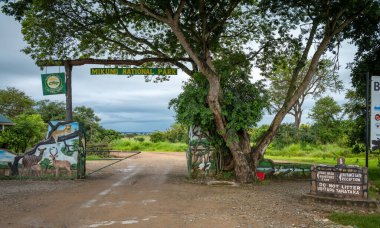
(151, 190)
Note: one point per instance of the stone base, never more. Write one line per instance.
(344, 201)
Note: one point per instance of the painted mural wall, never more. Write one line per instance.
(200, 160)
(63, 143)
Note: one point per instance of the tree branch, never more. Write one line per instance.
(146, 10)
(177, 14)
(79, 62)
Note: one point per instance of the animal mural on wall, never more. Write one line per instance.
(57, 164)
(63, 144)
(199, 154)
(65, 131)
(29, 161)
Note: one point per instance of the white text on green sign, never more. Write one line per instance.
(134, 71)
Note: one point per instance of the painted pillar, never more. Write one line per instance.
(69, 98)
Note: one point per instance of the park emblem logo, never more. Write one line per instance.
(53, 83)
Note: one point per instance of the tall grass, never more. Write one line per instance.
(130, 144)
(300, 150)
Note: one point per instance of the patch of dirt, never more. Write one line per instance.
(152, 190)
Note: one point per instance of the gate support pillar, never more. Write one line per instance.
(69, 97)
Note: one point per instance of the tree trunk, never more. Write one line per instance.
(297, 114)
(239, 146)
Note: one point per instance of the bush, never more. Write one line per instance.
(29, 130)
(157, 136)
(257, 133)
(176, 133)
(358, 148)
(139, 139)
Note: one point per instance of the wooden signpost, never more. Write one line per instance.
(339, 181)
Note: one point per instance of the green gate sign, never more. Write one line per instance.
(53, 83)
(134, 71)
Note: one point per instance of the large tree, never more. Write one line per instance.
(322, 24)
(324, 79)
(192, 34)
(326, 114)
(14, 102)
(50, 110)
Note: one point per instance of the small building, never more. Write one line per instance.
(4, 121)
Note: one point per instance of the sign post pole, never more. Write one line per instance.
(69, 97)
(367, 141)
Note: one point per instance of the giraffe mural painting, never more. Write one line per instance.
(62, 152)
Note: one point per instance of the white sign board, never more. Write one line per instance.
(375, 113)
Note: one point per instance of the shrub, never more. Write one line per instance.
(157, 136)
(139, 139)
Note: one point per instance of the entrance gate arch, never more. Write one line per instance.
(68, 65)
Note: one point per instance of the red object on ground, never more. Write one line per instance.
(260, 175)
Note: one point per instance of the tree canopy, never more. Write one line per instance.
(193, 35)
(14, 102)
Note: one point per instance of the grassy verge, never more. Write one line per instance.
(130, 144)
(92, 157)
(301, 150)
(358, 220)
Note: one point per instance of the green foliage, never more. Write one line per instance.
(309, 150)
(139, 139)
(176, 133)
(157, 136)
(326, 114)
(287, 134)
(108, 135)
(242, 103)
(14, 102)
(325, 111)
(257, 133)
(128, 145)
(90, 121)
(51, 110)
(29, 130)
(356, 219)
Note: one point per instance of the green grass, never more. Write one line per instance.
(298, 150)
(92, 157)
(130, 144)
(360, 220)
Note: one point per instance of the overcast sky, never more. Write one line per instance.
(123, 104)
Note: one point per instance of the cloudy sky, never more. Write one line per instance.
(123, 104)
